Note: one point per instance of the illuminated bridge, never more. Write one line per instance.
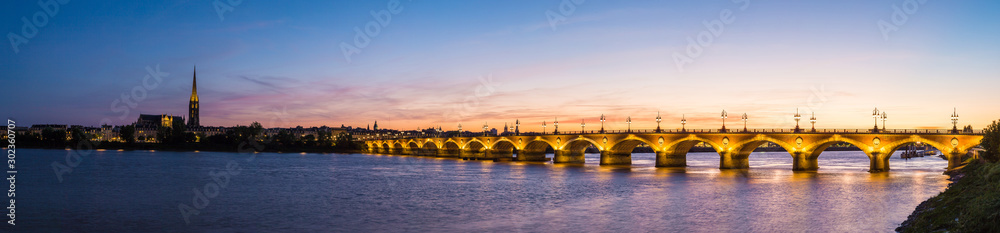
(671, 147)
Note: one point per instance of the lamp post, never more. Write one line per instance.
(875, 116)
(684, 121)
(797, 118)
(517, 127)
(583, 123)
(883, 120)
(628, 121)
(459, 129)
(485, 126)
(658, 119)
(543, 127)
(556, 123)
(745, 122)
(602, 123)
(813, 121)
(724, 116)
(954, 121)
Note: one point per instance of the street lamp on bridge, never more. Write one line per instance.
(724, 116)
(684, 121)
(459, 129)
(745, 122)
(583, 123)
(602, 123)
(557, 126)
(797, 118)
(485, 126)
(517, 127)
(883, 120)
(628, 121)
(813, 121)
(543, 127)
(658, 121)
(875, 116)
(954, 121)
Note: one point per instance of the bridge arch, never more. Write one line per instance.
(534, 150)
(537, 146)
(627, 145)
(451, 147)
(817, 148)
(580, 144)
(895, 145)
(954, 154)
(475, 145)
(684, 145)
(746, 147)
(429, 145)
(386, 147)
(503, 144)
(413, 145)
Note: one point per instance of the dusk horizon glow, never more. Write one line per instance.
(440, 64)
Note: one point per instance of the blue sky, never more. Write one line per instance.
(267, 60)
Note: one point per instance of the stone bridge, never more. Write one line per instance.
(671, 149)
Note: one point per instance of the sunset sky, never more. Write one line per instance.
(442, 63)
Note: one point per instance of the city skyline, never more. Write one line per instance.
(442, 64)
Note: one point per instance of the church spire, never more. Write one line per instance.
(193, 120)
(194, 85)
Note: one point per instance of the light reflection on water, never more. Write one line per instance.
(140, 191)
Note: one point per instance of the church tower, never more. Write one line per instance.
(193, 105)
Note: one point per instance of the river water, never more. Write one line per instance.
(141, 191)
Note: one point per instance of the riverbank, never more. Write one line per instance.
(970, 204)
(203, 147)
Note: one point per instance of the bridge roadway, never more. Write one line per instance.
(671, 148)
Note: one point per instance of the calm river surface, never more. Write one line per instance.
(140, 191)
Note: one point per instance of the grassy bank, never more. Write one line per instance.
(970, 204)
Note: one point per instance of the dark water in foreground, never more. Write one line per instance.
(139, 191)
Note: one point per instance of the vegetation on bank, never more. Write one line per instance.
(237, 139)
(972, 202)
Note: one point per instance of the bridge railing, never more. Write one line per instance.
(675, 131)
(803, 131)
